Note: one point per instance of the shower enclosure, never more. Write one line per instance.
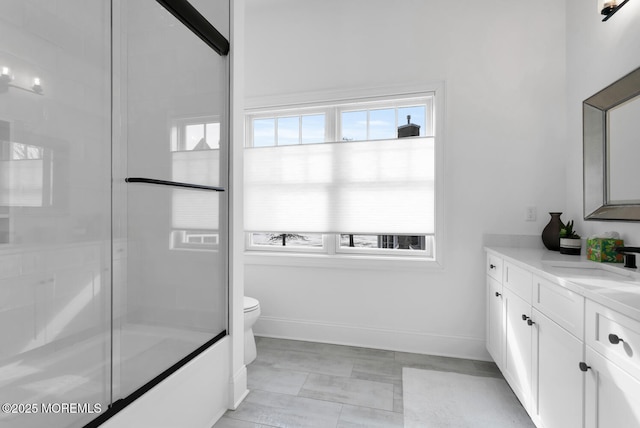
(113, 202)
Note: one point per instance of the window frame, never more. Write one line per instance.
(180, 240)
(179, 126)
(334, 256)
(396, 104)
(249, 245)
(288, 112)
(339, 249)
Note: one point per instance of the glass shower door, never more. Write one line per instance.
(106, 284)
(55, 212)
(170, 280)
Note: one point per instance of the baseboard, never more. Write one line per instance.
(238, 388)
(393, 340)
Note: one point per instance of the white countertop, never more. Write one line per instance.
(610, 284)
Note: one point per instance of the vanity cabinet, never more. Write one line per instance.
(495, 313)
(558, 346)
(557, 383)
(611, 394)
(509, 328)
(50, 295)
(572, 360)
(612, 374)
(517, 360)
(541, 343)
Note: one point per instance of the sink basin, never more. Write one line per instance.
(591, 274)
(588, 271)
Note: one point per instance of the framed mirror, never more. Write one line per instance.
(611, 151)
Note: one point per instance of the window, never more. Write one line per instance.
(194, 240)
(285, 128)
(26, 175)
(195, 147)
(361, 123)
(195, 134)
(367, 129)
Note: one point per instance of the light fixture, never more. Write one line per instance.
(5, 75)
(610, 7)
(6, 78)
(36, 85)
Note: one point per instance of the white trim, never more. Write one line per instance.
(377, 338)
(238, 388)
(342, 261)
(316, 98)
(439, 131)
(236, 228)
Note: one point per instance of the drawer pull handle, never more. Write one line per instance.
(583, 366)
(527, 319)
(498, 294)
(614, 339)
(492, 266)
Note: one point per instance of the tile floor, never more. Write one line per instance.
(306, 384)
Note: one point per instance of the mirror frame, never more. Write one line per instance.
(596, 146)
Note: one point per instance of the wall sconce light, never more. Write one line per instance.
(5, 75)
(36, 85)
(6, 78)
(610, 7)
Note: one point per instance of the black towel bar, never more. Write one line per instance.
(173, 183)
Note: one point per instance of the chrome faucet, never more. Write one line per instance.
(629, 259)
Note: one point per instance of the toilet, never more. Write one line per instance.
(251, 314)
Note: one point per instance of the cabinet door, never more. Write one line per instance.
(612, 395)
(495, 321)
(557, 399)
(517, 361)
(23, 302)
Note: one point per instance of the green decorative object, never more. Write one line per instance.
(570, 242)
(602, 250)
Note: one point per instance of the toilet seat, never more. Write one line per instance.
(250, 304)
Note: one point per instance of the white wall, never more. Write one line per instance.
(503, 67)
(598, 53)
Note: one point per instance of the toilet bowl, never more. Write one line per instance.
(251, 314)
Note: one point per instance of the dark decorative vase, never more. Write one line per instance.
(551, 232)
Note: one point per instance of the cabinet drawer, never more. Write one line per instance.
(561, 305)
(603, 326)
(494, 267)
(518, 280)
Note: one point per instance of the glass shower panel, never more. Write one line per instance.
(172, 297)
(55, 211)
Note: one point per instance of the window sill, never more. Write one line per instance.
(341, 261)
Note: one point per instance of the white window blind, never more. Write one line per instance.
(376, 187)
(196, 209)
(22, 183)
